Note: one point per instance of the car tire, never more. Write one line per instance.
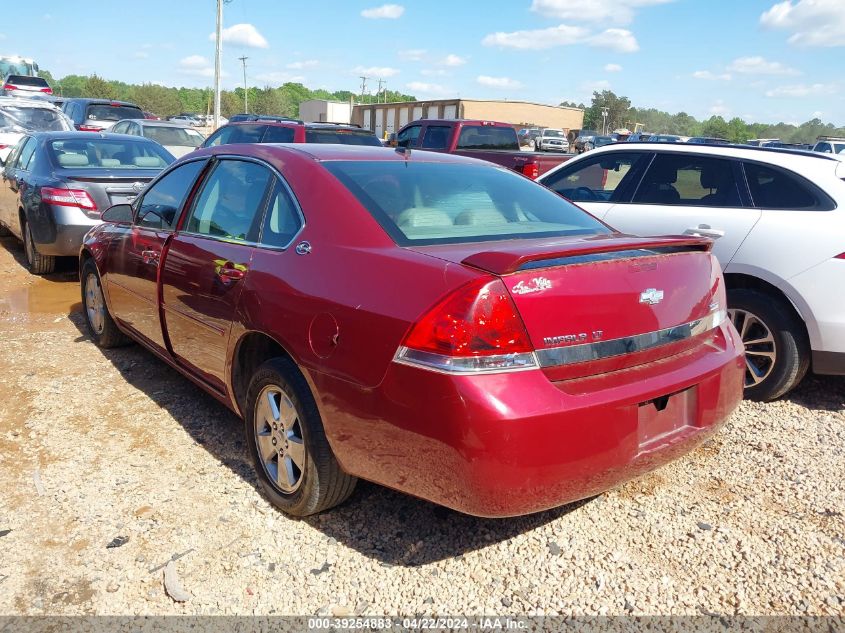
(101, 327)
(288, 445)
(38, 264)
(776, 345)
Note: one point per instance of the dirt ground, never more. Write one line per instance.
(111, 465)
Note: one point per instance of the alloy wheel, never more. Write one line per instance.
(760, 350)
(95, 305)
(278, 436)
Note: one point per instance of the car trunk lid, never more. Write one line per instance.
(106, 188)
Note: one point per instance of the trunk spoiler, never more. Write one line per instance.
(509, 260)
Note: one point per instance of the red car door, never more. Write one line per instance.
(206, 264)
(133, 261)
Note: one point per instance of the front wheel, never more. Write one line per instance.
(287, 442)
(101, 327)
(777, 352)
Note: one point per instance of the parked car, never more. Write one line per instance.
(584, 136)
(830, 145)
(527, 136)
(488, 140)
(19, 116)
(776, 216)
(271, 130)
(233, 267)
(639, 137)
(597, 141)
(177, 138)
(707, 140)
(55, 185)
(186, 119)
(24, 86)
(240, 118)
(761, 142)
(98, 115)
(665, 138)
(552, 140)
(151, 117)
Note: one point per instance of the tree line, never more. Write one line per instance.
(167, 101)
(621, 114)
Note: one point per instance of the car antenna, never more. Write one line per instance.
(405, 150)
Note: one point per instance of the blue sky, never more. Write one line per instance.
(762, 60)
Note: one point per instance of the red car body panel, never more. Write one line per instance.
(496, 444)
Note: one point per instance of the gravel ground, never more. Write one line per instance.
(111, 465)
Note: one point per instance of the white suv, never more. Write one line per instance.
(778, 221)
(551, 140)
(830, 145)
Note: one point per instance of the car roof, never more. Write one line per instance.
(103, 101)
(65, 136)
(158, 123)
(27, 102)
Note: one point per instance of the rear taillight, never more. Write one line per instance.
(70, 198)
(531, 170)
(840, 256)
(474, 329)
(89, 128)
(48, 91)
(9, 87)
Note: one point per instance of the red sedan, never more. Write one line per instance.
(428, 322)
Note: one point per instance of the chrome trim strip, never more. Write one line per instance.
(629, 344)
(463, 366)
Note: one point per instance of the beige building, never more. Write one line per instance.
(387, 118)
(320, 110)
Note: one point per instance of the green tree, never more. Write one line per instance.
(157, 99)
(617, 111)
(98, 88)
(715, 126)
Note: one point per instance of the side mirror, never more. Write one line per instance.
(391, 140)
(119, 214)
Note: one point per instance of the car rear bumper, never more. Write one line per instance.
(829, 363)
(508, 444)
(59, 231)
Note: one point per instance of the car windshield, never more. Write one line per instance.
(109, 112)
(554, 133)
(487, 137)
(168, 135)
(434, 203)
(341, 136)
(33, 118)
(101, 153)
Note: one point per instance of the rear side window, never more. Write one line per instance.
(230, 202)
(236, 134)
(487, 137)
(282, 221)
(278, 134)
(597, 179)
(341, 137)
(26, 153)
(108, 112)
(434, 203)
(436, 137)
(689, 180)
(773, 188)
(159, 208)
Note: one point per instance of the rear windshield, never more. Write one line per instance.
(487, 137)
(167, 135)
(108, 112)
(21, 80)
(435, 203)
(34, 119)
(98, 153)
(342, 137)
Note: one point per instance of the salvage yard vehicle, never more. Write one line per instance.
(551, 140)
(432, 323)
(98, 115)
(267, 129)
(488, 140)
(18, 116)
(776, 216)
(177, 138)
(24, 86)
(55, 185)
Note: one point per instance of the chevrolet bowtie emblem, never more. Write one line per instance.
(652, 296)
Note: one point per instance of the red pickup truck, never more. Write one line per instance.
(488, 140)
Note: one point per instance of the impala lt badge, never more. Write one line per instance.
(652, 296)
(538, 284)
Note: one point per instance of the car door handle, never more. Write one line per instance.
(150, 257)
(704, 230)
(231, 272)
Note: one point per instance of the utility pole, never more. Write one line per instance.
(363, 86)
(378, 92)
(218, 51)
(243, 61)
(604, 112)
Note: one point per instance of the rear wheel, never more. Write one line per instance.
(38, 264)
(101, 326)
(777, 353)
(288, 445)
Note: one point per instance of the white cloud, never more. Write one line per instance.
(384, 12)
(376, 71)
(242, 35)
(308, 63)
(812, 22)
(453, 60)
(601, 11)
(802, 90)
(719, 108)
(412, 54)
(759, 66)
(505, 83)
(424, 88)
(620, 40)
(277, 78)
(612, 68)
(709, 76)
(196, 65)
